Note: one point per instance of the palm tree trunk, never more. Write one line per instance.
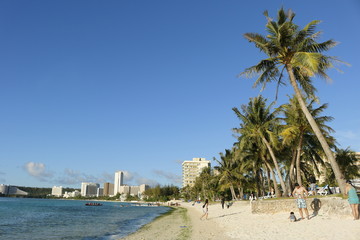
(298, 158)
(232, 192)
(262, 185)
(329, 154)
(276, 188)
(275, 164)
(291, 170)
(241, 191)
(268, 179)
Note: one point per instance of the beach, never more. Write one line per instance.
(237, 222)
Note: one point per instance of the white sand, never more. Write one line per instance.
(238, 222)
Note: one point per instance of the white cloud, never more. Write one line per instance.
(128, 176)
(172, 178)
(72, 177)
(38, 170)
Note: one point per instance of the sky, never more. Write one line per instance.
(88, 88)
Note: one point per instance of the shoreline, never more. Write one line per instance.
(173, 224)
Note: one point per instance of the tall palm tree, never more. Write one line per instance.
(258, 124)
(226, 169)
(297, 130)
(297, 51)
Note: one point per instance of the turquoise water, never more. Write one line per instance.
(25, 218)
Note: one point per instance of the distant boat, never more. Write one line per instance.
(93, 204)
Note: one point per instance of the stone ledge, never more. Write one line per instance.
(330, 206)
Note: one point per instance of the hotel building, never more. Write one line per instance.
(89, 189)
(57, 191)
(108, 189)
(192, 169)
(119, 181)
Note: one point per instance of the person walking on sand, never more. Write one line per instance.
(222, 202)
(353, 199)
(205, 210)
(300, 194)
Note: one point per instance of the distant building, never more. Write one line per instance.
(119, 181)
(72, 194)
(192, 169)
(57, 191)
(89, 189)
(11, 190)
(100, 192)
(108, 189)
(124, 189)
(143, 188)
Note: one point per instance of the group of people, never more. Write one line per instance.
(300, 194)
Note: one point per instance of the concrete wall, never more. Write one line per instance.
(330, 206)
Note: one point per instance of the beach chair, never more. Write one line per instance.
(323, 191)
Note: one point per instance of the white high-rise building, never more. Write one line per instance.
(119, 181)
(192, 169)
(57, 191)
(89, 189)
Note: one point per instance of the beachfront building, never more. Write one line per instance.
(192, 169)
(72, 194)
(100, 192)
(108, 189)
(118, 182)
(57, 191)
(89, 189)
(11, 190)
(134, 190)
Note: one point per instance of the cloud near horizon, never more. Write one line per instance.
(38, 170)
(73, 177)
(172, 178)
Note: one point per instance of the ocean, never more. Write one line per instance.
(38, 219)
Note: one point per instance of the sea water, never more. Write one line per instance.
(26, 218)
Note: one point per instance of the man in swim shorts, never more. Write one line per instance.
(300, 194)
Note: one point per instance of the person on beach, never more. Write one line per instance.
(312, 180)
(300, 194)
(353, 199)
(292, 217)
(205, 210)
(315, 206)
(222, 202)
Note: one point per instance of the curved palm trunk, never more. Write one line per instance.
(291, 170)
(232, 190)
(298, 158)
(268, 179)
(329, 154)
(275, 164)
(276, 189)
(241, 191)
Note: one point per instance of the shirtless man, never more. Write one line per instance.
(300, 194)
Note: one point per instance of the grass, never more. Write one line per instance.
(185, 232)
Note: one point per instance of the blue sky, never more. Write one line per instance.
(91, 87)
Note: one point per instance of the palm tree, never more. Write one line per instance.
(297, 130)
(347, 161)
(295, 50)
(226, 169)
(258, 125)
